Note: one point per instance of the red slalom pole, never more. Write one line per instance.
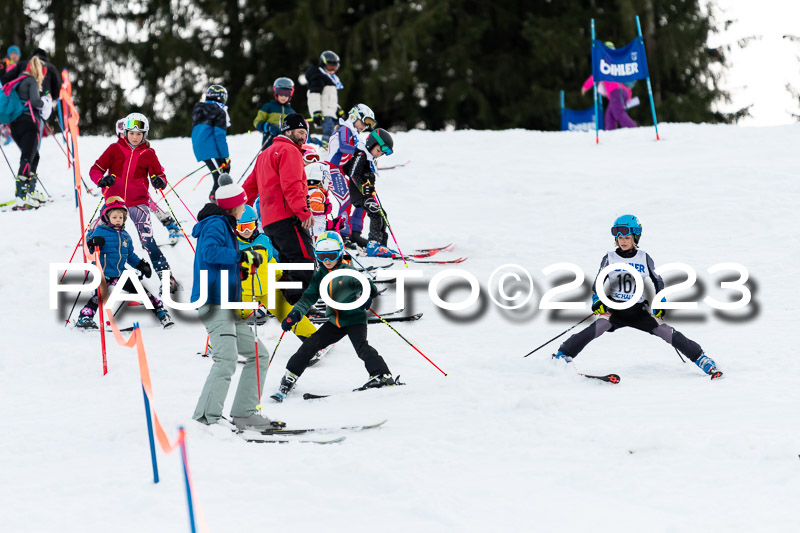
(101, 303)
(407, 341)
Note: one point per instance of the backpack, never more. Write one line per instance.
(11, 106)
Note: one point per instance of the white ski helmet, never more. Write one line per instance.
(121, 127)
(318, 174)
(363, 113)
(136, 122)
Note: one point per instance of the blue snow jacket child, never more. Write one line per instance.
(210, 123)
(217, 251)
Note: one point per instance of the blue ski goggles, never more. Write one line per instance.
(329, 256)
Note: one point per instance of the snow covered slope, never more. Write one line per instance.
(502, 443)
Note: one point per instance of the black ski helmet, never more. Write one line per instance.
(283, 87)
(381, 137)
(217, 93)
(328, 59)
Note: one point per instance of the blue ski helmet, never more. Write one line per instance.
(627, 225)
(329, 246)
(249, 215)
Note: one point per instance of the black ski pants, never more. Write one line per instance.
(330, 333)
(637, 317)
(26, 134)
(217, 166)
(294, 245)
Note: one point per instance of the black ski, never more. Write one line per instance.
(309, 396)
(608, 378)
(374, 320)
(390, 167)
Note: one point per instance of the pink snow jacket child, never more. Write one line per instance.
(605, 88)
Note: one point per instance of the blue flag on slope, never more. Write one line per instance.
(578, 120)
(622, 65)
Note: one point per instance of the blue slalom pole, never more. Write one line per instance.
(649, 87)
(562, 109)
(186, 479)
(149, 429)
(596, 119)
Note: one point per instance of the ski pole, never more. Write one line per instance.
(221, 169)
(69, 316)
(275, 350)
(200, 180)
(186, 206)
(43, 187)
(81, 238)
(259, 407)
(560, 334)
(172, 188)
(369, 273)
(407, 341)
(254, 158)
(176, 220)
(383, 214)
(679, 355)
(13, 174)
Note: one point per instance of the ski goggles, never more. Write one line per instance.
(328, 256)
(623, 231)
(115, 199)
(331, 68)
(385, 149)
(246, 226)
(311, 157)
(135, 125)
(283, 91)
(369, 122)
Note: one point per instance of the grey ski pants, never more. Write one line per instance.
(229, 336)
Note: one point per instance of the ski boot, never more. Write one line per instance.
(174, 232)
(707, 365)
(256, 422)
(173, 284)
(86, 323)
(381, 380)
(38, 196)
(356, 242)
(165, 319)
(562, 355)
(23, 200)
(288, 382)
(376, 250)
(319, 355)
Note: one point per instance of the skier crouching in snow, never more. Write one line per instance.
(329, 250)
(218, 252)
(627, 231)
(116, 249)
(361, 173)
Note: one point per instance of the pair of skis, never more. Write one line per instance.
(391, 316)
(278, 435)
(423, 255)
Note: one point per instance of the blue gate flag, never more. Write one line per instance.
(579, 120)
(621, 65)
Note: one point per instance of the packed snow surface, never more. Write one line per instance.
(503, 442)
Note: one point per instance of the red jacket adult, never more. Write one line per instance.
(132, 167)
(281, 182)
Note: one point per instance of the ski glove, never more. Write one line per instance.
(158, 182)
(144, 268)
(367, 304)
(597, 306)
(317, 119)
(107, 181)
(660, 313)
(243, 273)
(95, 242)
(291, 320)
(367, 189)
(249, 257)
(339, 112)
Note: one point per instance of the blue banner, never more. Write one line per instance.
(624, 64)
(578, 120)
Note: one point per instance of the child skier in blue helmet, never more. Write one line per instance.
(627, 231)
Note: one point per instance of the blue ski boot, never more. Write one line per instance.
(376, 250)
(707, 365)
(562, 355)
